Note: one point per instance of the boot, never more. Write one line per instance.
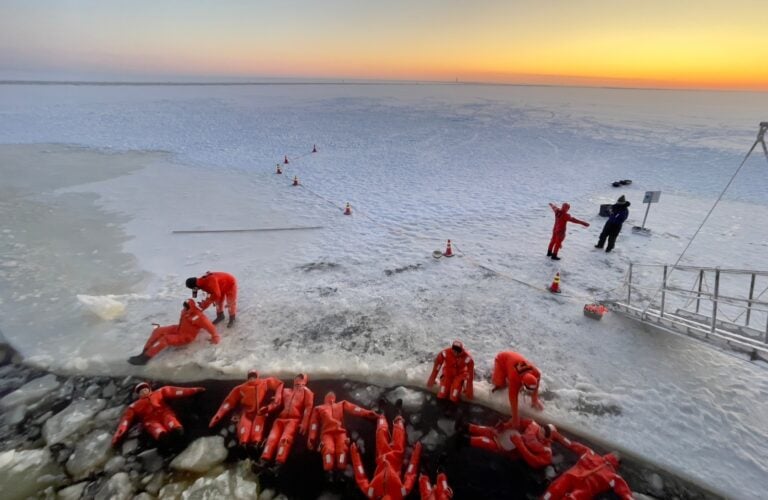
(141, 359)
(549, 253)
(231, 321)
(555, 257)
(399, 407)
(598, 246)
(219, 318)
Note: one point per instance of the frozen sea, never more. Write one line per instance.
(95, 178)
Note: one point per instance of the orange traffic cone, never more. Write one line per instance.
(347, 210)
(448, 251)
(555, 286)
(314, 148)
(286, 160)
(279, 170)
(295, 180)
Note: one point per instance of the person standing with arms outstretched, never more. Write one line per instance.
(562, 218)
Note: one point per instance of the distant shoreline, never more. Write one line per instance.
(353, 83)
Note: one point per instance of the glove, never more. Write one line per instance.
(215, 340)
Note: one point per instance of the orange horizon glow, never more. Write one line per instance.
(656, 44)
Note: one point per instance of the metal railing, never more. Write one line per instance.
(713, 304)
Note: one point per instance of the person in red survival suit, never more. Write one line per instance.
(152, 410)
(327, 421)
(531, 442)
(513, 370)
(218, 286)
(295, 415)
(458, 373)
(441, 490)
(191, 321)
(250, 396)
(592, 475)
(387, 481)
(562, 218)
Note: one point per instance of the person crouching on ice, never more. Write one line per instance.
(513, 370)
(562, 218)
(152, 410)
(389, 481)
(218, 286)
(191, 321)
(591, 476)
(295, 415)
(458, 373)
(250, 397)
(327, 422)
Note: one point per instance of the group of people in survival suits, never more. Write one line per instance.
(255, 401)
(219, 287)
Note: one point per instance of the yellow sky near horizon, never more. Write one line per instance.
(710, 44)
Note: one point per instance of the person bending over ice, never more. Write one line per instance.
(218, 286)
(191, 321)
(513, 370)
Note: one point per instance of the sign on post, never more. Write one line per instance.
(650, 197)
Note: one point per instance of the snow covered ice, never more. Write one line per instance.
(362, 297)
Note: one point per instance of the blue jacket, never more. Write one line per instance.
(619, 213)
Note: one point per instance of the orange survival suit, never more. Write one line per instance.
(328, 421)
(441, 490)
(250, 397)
(592, 475)
(387, 481)
(533, 445)
(562, 218)
(191, 321)
(152, 410)
(513, 370)
(218, 286)
(458, 373)
(296, 412)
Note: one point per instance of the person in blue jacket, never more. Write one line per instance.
(612, 228)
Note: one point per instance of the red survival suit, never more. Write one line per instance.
(562, 218)
(387, 482)
(328, 421)
(441, 490)
(191, 321)
(250, 397)
(219, 286)
(296, 412)
(458, 373)
(534, 445)
(592, 475)
(512, 369)
(152, 410)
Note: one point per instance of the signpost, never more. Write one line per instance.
(650, 197)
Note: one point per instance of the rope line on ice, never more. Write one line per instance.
(759, 140)
(400, 232)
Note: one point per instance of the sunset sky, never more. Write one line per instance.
(647, 43)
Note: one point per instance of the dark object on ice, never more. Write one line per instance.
(616, 184)
(625, 182)
(612, 227)
(605, 210)
(140, 359)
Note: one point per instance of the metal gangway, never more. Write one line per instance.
(724, 307)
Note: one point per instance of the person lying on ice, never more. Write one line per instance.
(388, 479)
(250, 397)
(191, 321)
(327, 421)
(592, 475)
(530, 442)
(152, 410)
(562, 218)
(295, 415)
(218, 286)
(458, 373)
(441, 490)
(513, 370)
